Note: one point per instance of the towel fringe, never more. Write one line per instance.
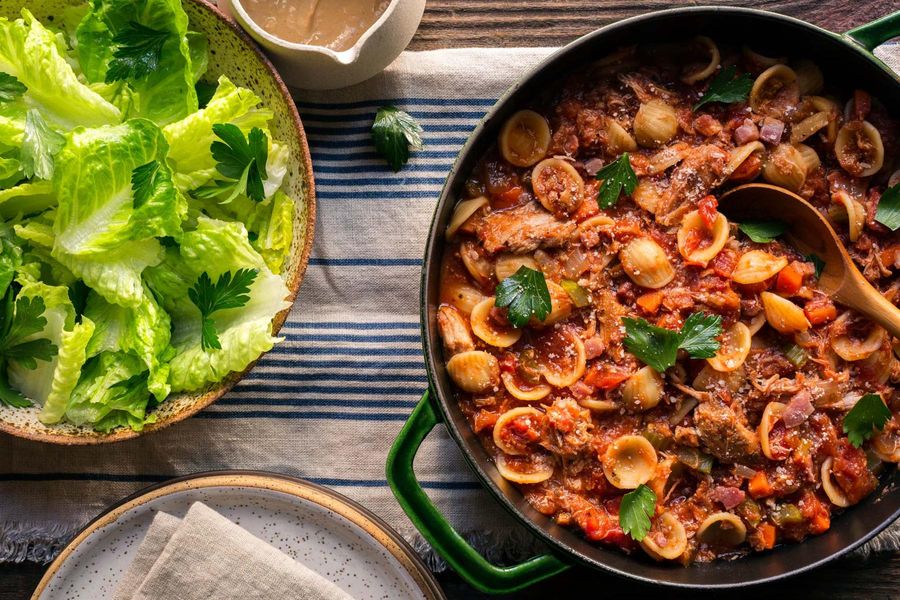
(40, 543)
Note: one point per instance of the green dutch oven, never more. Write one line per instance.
(848, 63)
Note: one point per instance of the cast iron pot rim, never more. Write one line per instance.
(434, 249)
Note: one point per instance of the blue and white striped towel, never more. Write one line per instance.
(326, 404)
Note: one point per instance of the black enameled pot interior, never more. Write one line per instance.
(846, 66)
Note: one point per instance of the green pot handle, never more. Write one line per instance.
(873, 34)
(468, 563)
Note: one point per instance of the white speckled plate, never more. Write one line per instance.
(325, 531)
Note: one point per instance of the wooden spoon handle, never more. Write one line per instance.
(871, 303)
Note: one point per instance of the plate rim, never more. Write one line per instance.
(351, 510)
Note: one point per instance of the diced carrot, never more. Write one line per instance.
(650, 302)
(820, 523)
(820, 310)
(767, 532)
(789, 280)
(707, 209)
(605, 377)
(508, 197)
(759, 486)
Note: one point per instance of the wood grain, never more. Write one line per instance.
(449, 23)
(460, 23)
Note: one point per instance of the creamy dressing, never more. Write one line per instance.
(334, 24)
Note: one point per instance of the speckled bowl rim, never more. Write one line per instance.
(275, 482)
(293, 284)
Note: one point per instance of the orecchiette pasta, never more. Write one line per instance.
(525, 469)
(771, 415)
(667, 539)
(558, 186)
(706, 69)
(526, 393)
(734, 348)
(697, 245)
(643, 390)
(462, 212)
(489, 330)
(507, 264)
(722, 529)
(783, 315)
(646, 263)
(474, 371)
(655, 124)
(777, 80)
(859, 148)
(510, 442)
(786, 167)
(835, 494)
(525, 138)
(629, 461)
(757, 266)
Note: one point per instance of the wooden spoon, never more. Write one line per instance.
(810, 233)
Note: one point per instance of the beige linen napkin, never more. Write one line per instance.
(207, 557)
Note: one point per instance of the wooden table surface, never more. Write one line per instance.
(458, 23)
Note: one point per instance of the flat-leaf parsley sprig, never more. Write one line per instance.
(138, 52)
(727, 87)
(616, 176)
(658, 347)
(394, 134)
(888, 212)
(231, 290)
(635, 511)
(242, 160)
(525, 294)
(868, 414)
(20, 319)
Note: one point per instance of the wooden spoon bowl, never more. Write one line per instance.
(811, 233)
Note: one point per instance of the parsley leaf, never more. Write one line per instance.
(39, 145)
(763, 232)
(394, 134)
(526, 294)
(229, 291)
(817, 262)
(21, 319)
(869, 413)
(658, 347)
(699, 333)
(143, 182)
(888, 213)
(616, 176)
(635, 511)
(10, 87)
(137, 54)
(726, 87)
(242, 160)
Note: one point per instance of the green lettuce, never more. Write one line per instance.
(167, 92)
(111, 393)
(35, 56)
(100, 233)
(244, 333)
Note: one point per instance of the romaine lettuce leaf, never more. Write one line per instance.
(244, 333)
(167, 93)
(100, 233)
(69, 360)
(36, 56)
(274, 227)
(142, 331)
(190, 139)
(111, 393)
(26, 198)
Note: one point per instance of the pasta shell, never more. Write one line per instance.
(506, 265)
(618, 140)
(852, 350)
(526, 394)
(769, 84)
(629, 461)
(646, 263)
(856, 213)
(859, 148)
(886, 443)
(785, 167)
(771, 415)
(824, 104)
(757, 266)
(475, 371)
(530, 469)
(667, 539)
(508, 443)
(835, 494)
(643, 390)
(783, 315)
(560, 306)
(647, 195)
(566, 363)
(733, 350)
(476, 263)
(696, 244)
(709, 379)
(810, 157)
(597, 405)
(655, 124)
(525, 138)
(462, 212)
(558, 186)
(705, 70)
(722, 529)
(461, 295)
(489, 330)
(809, 77)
